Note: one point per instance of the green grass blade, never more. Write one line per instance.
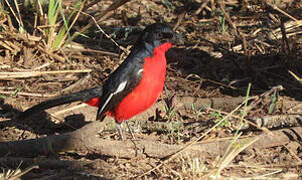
(64, 31)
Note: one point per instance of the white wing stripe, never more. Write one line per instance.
(121, 87)
(106, 102)
(140, 71)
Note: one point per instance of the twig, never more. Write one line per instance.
(55, 56)
(227, 17)
(68, 109)
(100, 29)
(212, 81)
(78, 47)
(19, 15)
(10, 7)
(29, 94)
(289, 26)
(292, 153)
(266, 166)
(179, 20)
(44, 162)
(7, 75)
(247, 121)
(285, 44)
(278, 120)
(113, 6)
(203, 5)
(281, 11)
(78, 83)
(295, 76)
(267, 93)
(42, 66)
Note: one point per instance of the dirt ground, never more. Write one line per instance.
(225, 46)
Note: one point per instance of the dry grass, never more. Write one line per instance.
(227, 44)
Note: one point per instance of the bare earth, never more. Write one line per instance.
(225, 46)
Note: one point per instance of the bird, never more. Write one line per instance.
(133, 87)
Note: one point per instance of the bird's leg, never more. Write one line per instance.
(130, 130)
(119, 130)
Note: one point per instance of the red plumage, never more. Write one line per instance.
(148, 90)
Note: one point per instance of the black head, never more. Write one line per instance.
(157, 34)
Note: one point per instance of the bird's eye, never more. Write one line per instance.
(160, 36)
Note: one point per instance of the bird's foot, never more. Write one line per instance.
(130, 130)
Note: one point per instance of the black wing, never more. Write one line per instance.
(123, 80)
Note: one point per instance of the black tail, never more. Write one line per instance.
(84, 95)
